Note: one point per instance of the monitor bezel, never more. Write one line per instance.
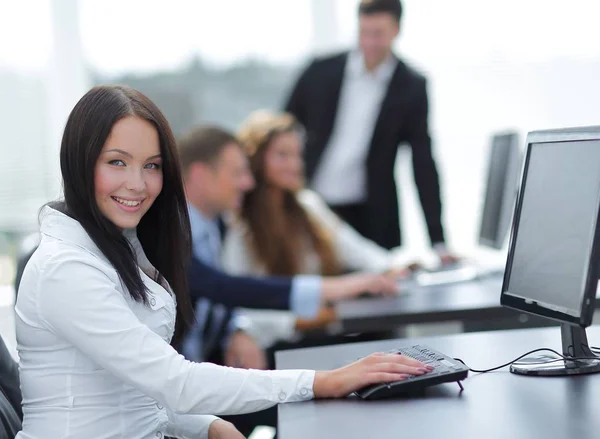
(587, 305)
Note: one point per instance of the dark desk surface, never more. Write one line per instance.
(476, 301)
(493, 405)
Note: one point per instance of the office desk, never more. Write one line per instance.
(493, 405)
(476, 304)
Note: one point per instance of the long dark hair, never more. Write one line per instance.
(277, 234)
(164, 231)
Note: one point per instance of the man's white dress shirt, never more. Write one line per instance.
(341, 177)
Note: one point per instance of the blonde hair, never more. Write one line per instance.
(261, 126)
(277, 235)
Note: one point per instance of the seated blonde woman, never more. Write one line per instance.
(285, 229)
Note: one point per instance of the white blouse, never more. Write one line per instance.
(354, 252)
(96, 364)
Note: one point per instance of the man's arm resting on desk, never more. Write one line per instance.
(238, 291)
(303, 295)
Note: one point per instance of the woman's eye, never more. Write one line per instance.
(117, 163)
(152, 166)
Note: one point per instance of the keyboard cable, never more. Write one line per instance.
(562, 358)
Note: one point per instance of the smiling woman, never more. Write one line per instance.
(102, 296)
(128, 174)
(114, 167)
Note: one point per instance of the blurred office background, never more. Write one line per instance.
(492, 65)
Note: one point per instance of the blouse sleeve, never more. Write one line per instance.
(78, 301)
(354, 251)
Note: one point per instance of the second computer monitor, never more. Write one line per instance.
(502, 184)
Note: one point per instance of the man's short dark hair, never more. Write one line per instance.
(204, 144)
(392, 7)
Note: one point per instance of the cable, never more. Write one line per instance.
(562, 358)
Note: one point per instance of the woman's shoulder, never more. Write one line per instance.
(64, 241)
(54, 255)
(58, 269)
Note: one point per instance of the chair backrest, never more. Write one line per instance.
(10, 423)
(11, 414)
(26, 249)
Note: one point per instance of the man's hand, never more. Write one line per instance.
(221, 429)
(352, 285)
(244, 352)
(402, 272)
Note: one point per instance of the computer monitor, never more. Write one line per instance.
(552, 265)
(501, 190)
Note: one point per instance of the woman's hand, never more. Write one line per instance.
(373, 369)
(221, 429)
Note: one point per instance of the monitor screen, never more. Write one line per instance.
(555, 228)
(501, 189)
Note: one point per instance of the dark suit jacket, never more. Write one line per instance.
(402, 118)
(238, 291)
(233, 292)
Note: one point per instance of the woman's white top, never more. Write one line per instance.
(96, 364)
(354, 253)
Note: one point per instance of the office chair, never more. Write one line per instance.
(26, 249)
(11, 414)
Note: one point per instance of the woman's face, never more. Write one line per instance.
(284, 164)
(128, 174)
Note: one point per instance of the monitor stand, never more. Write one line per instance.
(574, 344)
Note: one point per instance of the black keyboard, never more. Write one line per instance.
(445, 370)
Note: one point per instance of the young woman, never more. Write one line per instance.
(105, 292)
(285, 229)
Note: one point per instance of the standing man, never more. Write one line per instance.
(357, 107)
